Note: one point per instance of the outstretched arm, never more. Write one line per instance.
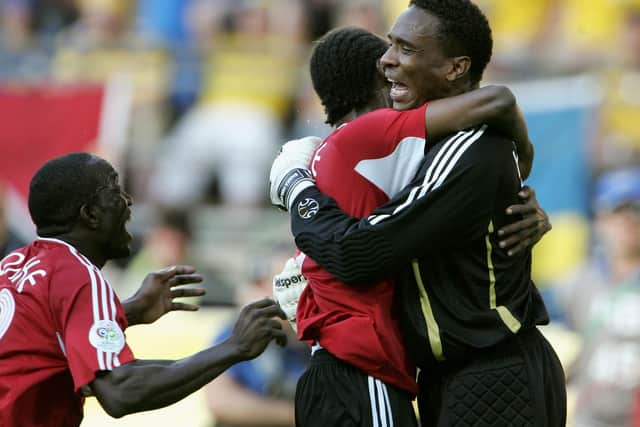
(143, 385)
(494, 105)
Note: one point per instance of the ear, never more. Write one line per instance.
(90, 216)
(460, 65)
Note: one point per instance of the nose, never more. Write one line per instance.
(389, 58)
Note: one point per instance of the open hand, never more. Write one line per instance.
(156, 296)
(529, 230)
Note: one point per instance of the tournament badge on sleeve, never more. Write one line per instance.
(107, 336)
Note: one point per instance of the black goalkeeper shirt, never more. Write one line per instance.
(456, 289)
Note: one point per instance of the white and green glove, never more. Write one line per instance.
(290, 171)
(287, 287)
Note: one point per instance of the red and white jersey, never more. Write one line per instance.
(361, 165)
(60, 323)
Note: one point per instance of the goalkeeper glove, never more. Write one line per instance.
(287, 287)
(290, 171)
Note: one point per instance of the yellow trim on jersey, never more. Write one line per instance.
(512, 323)
(433, 330)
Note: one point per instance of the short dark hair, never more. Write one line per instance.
(463, 30)
(343, 69)
(60, 188)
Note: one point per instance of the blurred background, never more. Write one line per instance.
(191, 99)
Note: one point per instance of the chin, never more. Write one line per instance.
(121, 252)
(402, 106)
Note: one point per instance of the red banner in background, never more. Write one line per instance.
(43, 122)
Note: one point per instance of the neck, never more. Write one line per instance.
(85, 249)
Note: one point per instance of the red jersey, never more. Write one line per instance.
(60, 323)
(361, 165)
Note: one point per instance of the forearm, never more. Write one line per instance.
(146, 385)
(132, 311)
(333, 239)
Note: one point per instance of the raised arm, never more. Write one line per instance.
(143, 385)
(494, 105)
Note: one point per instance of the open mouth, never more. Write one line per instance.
(399, 91)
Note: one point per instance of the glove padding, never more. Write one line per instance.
(287, 287)
(290, 171)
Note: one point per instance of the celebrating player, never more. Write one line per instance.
(61, 324)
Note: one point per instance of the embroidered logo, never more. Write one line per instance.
(107, 336)
(308, 208)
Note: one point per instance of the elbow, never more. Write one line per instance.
(114, 406)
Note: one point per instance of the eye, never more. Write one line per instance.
(407, 50)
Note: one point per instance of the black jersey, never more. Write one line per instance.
(457, 289)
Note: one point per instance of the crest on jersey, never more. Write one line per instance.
(308, 208)
(107, 336)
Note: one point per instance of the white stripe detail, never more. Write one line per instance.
(450, 149)
(388, 404)
(517, 160)
(95, 302)
(61, 343)
(7, 310)
(381, 404)
(396, 170)
(374, 219)
(381, 413)
(459, 154)
(372, 399)
(440, 168)
(105, 313)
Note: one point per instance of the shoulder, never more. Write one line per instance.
(478, 145)
(68, 269)
(389, 115)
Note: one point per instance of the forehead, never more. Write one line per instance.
(103, 171)
(415, 25)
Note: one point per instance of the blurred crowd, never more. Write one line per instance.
(200, 94)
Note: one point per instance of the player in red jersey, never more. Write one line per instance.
(61, 324)
(362, 164)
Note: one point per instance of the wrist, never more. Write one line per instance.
(292, 184)
(235, 351)
(132, 311)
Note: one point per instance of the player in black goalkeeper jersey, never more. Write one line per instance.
(469, 309)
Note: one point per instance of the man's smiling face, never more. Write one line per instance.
(415, 63)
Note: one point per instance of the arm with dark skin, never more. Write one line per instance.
(156, 295)
(493, 105)
(144, 385)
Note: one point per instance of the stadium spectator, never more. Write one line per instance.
(601, 302)
(102, 48)
(468, 335)
(259, 392)
(61, 324)
(25, 57)
(616, 141)
(241, 110)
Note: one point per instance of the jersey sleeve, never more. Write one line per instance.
(92, 322)
(364, 134)
(449, 203)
